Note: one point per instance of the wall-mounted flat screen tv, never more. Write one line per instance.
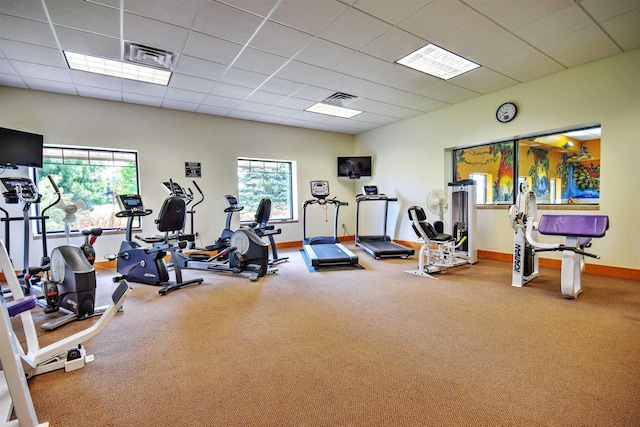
(354, 167)
(19, 148)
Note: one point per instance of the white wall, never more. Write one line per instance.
(166, 139)
(606, 91)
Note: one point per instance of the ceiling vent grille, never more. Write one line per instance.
(149, 56)
(341, 99)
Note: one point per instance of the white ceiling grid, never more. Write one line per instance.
(268, 60)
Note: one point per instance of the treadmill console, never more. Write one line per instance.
(370, 190)
(320, 189)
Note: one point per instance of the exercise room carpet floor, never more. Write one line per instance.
(371, 347)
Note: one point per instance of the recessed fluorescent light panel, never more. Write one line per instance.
(107, 67)
(333, 110)
(438, 62)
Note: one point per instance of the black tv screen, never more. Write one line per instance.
(354, 166)
(19, 148)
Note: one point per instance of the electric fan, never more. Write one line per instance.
(438, 203)
(70, 210)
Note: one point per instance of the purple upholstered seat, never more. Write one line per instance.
(23, 304)
(585, 226)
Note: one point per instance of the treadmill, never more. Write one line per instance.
(325, 251)
(379, 246)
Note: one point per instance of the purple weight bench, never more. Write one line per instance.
(578, 231)
(23, 304)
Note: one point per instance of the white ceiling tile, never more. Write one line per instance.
(563, 22)
(50, 86)
(528, 64)
(313, 93)
(281, 40)
(30, 9)
(299, 72)
(417, 83)
(180, 81)
(154, 33)
(197, 67)
(179, 13)
(475, 33)
(323, 53)
(360, 65)
(136, 98)
(437, 18)
(184, 95)
(262, 97)
(447, 92)
(296, 103)
(312, 17)
(211, 48)
(484, 80)
(261, 7)
(99, 93)
(498, 49)
(226, 22)
(281, 86)
(86, 16)
(514, 14)
(231, 91)
(25, 30)
(32, 53)
(392, 75)
(625, 29)
(377, 119)
(88, 43)
(221, 102)
(179, 105)
(605, 9)
(580, 47)
(96, 80)
(355, 29)
(142, 88)
(393, 45)
(434, 104)
(7, 68)
(12, 80)
(243, 115)
(216, 111)
(244, 78)
(334, 81)
(391, 11)
(28, 69)
(259, 61)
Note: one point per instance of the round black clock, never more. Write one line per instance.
(506, 112)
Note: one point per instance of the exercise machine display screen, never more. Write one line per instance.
(319, 189)
(131, 203)
(370, 190)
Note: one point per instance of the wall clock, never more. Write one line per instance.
(506, 112)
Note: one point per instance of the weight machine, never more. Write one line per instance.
(578, 231)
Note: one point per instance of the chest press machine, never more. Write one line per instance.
(578, 231)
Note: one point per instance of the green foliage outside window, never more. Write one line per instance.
(258, 179)
(90, 180)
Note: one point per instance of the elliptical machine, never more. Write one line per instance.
(69, 282)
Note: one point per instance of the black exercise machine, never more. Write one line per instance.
(379, 246)
(325, 250)
(146, 265)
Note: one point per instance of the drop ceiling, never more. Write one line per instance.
(268, 60)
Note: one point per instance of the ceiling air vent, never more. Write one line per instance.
(341, 99)
(149, 56)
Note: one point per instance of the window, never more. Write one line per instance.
(560, 167)
(260, 178)
(89, 180)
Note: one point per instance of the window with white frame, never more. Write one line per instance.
(266, 178)
(89, 180)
